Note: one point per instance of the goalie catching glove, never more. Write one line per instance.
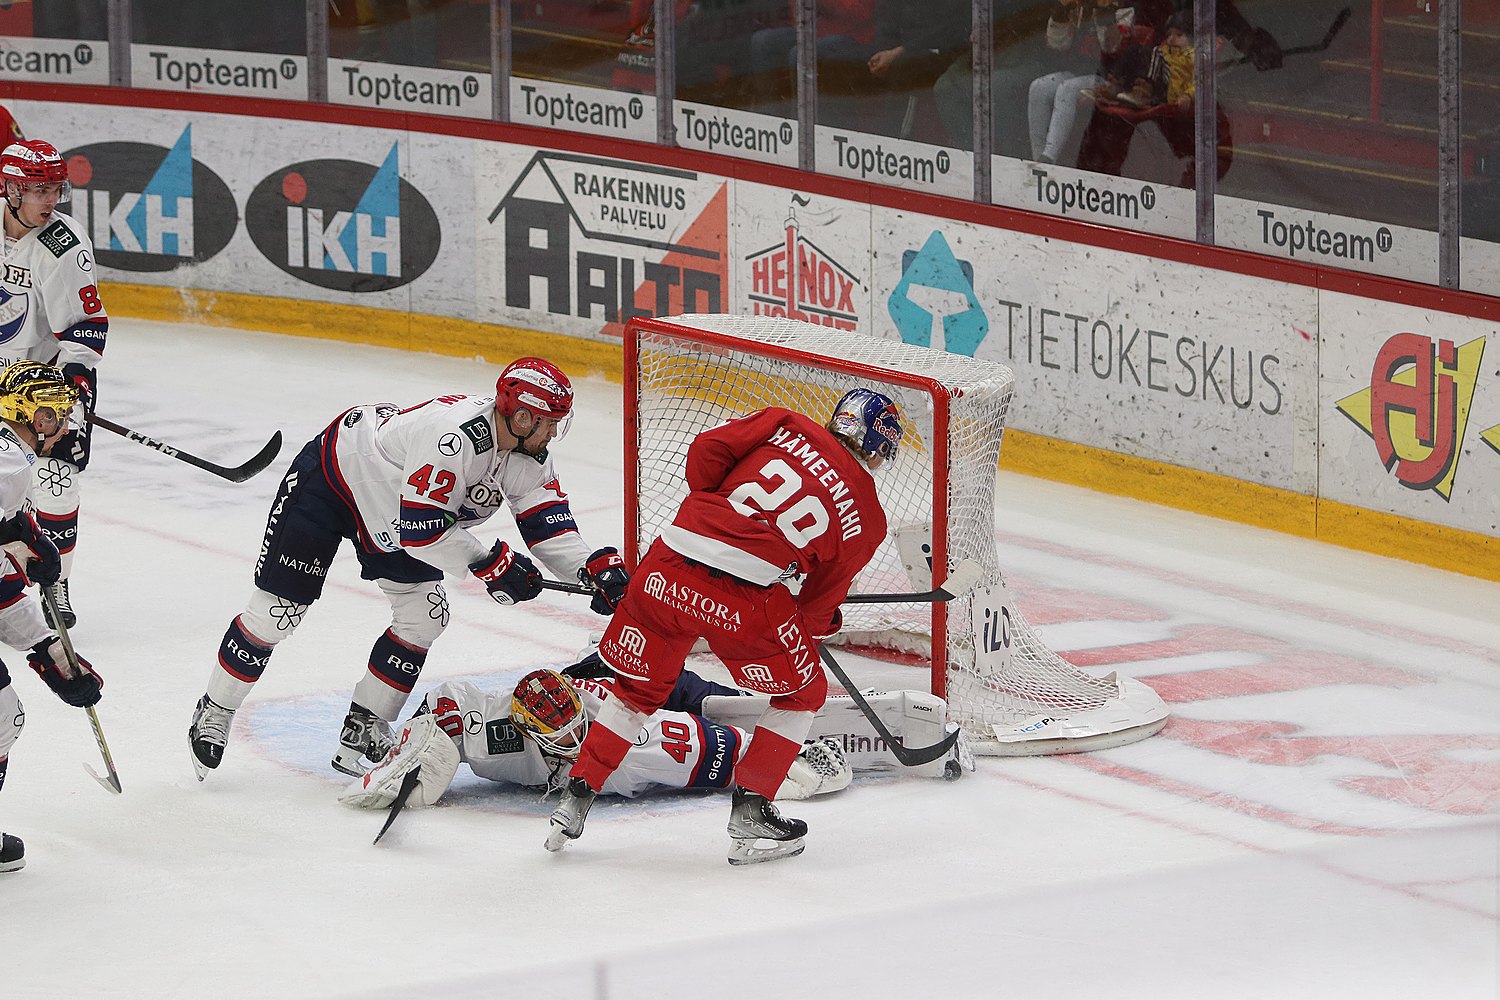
(420, 746)
(50, 662)
(35, 552)
(820, 768)
(508, 575)
(605, 572)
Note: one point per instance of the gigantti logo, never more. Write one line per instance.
(149, 208)
(344, 224)
(797, 279)
(1417, 407)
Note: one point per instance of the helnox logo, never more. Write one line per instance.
(344, 224)
(149, 208)
(794, 277)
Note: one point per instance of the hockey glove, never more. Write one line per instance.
(509, 576)
(73, 446)
(50, 662)
(42, 564)
(590, 668)
(605, 572)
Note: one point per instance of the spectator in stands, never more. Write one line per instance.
(867, 49)
(1086, 35)
(1017, 60)
(845, 43)
(713, 48)
(1153, 81)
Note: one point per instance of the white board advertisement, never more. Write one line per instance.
(579, 244)
(804, 256)
(1479, 266)
(614, 113)
(306, 211)
(219, 71)
(879, 159)
(410, 88)
(1330, 240)
(1067, 193)
(54, 60)
(1163, 361)
(751, 136)
(1410, 413)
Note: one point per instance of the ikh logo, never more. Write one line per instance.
(344, 225)
(148, 208)
(1417, 407)
(796, 279)
(934, 286)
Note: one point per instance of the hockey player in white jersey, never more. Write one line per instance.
(406, 486)
(530, 736)
(50, 311)
(35, 400)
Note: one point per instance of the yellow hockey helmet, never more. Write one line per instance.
(28, 386)
(545, 707)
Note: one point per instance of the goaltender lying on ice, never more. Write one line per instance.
(530, 736)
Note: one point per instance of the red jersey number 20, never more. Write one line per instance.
(799, 522)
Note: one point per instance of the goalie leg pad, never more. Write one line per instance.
(419, 744)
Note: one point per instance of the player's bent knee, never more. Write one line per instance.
(419, 612)
(12, 718)
(268, 619)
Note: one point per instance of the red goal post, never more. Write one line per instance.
(1011, 693)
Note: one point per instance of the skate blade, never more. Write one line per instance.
(348, 764)
(557, 839)
(745, 851)
(200, 768)
(12, 866)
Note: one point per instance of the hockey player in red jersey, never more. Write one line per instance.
(405, 486)
(50, 311)
(781, 515)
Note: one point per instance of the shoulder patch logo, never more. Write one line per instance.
(58, 238)
(478, 431)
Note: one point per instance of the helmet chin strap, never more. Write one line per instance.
(521, 439)
(15, 211)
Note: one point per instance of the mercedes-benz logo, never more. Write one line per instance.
(449, 444)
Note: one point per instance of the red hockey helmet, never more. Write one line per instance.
(537, 386)
(34, 161)
(545, 707)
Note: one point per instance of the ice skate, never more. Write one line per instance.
(209, 734)
(366, 735)
(64, 606)
(758, 832)
(568, 817)
(12, 853)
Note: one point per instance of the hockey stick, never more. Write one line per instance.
(964, 578)
(1320, 46)
(408, 785)
(906, 755)
(237, 474)
(113, 781)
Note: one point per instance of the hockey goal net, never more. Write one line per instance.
(1009, 691)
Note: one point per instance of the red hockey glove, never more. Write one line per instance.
(509, 576)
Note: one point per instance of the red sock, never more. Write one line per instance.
(765, 764)
(601, 753)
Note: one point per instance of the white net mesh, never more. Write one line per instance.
(687, 382)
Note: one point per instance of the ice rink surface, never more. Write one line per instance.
(1318, 819)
